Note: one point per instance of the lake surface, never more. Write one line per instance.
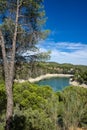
(56, 83)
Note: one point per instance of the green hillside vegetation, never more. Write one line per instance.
(40, 108)
(26, 70)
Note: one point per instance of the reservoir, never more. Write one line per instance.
(57, 83)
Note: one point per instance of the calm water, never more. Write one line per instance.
(55, 83)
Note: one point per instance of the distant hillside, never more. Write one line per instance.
(26, 70)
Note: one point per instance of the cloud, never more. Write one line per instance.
(66, 52)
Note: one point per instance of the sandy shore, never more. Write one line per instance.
(32, 80)
(74, 83)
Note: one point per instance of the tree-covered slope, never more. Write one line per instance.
(26, 70)
(40, 108)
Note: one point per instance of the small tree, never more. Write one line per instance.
(21, 27)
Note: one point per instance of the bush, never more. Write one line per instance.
(40, 108)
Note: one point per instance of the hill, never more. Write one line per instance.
(35, 69)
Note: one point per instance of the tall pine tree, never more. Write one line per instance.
(20, 30)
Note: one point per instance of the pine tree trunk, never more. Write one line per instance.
(9, 71)
(8, 83)
(9, 110)
(10, 74)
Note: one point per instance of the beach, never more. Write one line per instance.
(74, 83)
(46, 76)
(32, 80)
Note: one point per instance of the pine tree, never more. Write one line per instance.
(20, 30)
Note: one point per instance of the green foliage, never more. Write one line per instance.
(2, 5)
(34, 69)
(40, 68)
(72, 107)
(2, 97)
(1, 127)
(43, 56)
(40, 108)
(2, 104)
(31, 18)
(81, 76)
(37, 104)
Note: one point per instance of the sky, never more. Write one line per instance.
(67, 20)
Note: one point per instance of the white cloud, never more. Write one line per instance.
(66, 52)
(78, 57)
(70, 46)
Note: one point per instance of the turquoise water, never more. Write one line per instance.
(56, 83)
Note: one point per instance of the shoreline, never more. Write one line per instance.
(74, 83)
(46, 76)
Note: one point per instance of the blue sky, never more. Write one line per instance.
(67, 20)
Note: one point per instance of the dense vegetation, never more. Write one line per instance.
(21, 28)
(39, 68)
(26, 70)
(40, 108)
